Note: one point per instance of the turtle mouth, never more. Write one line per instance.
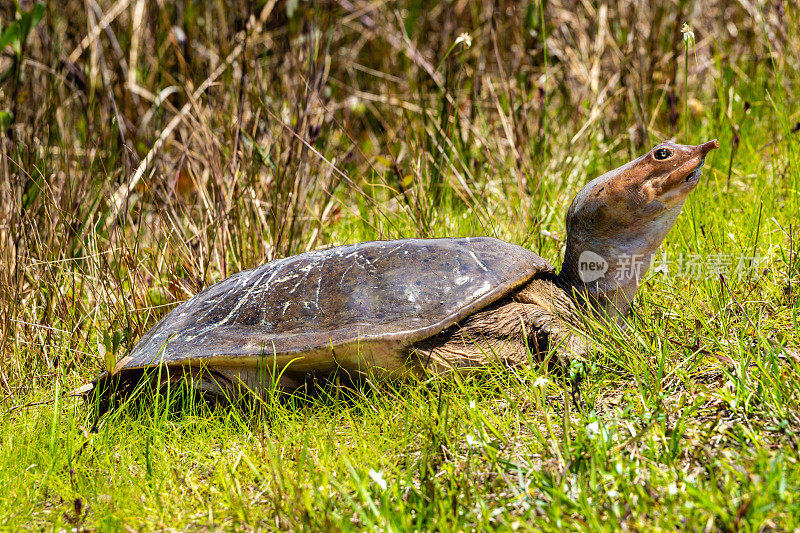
(694, 175)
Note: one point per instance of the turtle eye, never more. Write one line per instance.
(662, 154)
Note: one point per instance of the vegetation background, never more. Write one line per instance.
(151, 148)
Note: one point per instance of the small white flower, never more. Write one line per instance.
(672, 489)
(593, 429)
(473, 441)
(464, 38)
(541, 382)
(688, 34)
(472, 404)
(377, 477)
(612, 493)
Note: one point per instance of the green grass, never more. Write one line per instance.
(693, 408)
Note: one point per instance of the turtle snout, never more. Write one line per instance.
(710, 145)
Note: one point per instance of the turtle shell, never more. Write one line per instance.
(304, 308)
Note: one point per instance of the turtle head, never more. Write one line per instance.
(618, 220)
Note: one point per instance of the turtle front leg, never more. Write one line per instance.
(511, 333)
(507, 333)
(572, 351)
(558, 322)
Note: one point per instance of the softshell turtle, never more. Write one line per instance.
(390, 307)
